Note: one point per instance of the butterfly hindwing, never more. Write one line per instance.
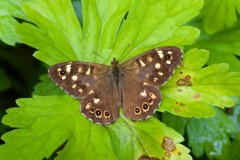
(139, 100)
(142, 75)
(101, 104)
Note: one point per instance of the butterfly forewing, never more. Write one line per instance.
(155, 66)
(77, 78)
(142, 75)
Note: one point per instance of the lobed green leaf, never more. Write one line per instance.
(193, 90)
(225, 11)
(49, 122)
(210, 135)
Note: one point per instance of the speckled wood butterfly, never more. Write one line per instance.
(132, 84)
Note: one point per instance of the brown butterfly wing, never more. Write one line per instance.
(139, 101)
(76, 78)
(101, 104)
(90, 83)
(142, 75)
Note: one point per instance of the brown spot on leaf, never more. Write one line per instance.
(186, 81)
(168, 144)
(188, 77)
(168, 154)
(177, 110)
(181, 82)
(181, 104)
(145, 157)
(196, 96)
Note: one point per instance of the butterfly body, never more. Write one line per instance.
(132, 84)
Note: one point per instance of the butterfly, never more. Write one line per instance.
(133, 84)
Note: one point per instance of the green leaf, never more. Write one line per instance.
(210, 135)
(46, 87)
(226, 41)
(187, 109)
(223, 46)
(101, 28)
(6, 25)
(101, 25)
(48, 122)
(234, 149)
(108, 28)
(237, 2)
(193, 90)
(235, 117)
(53, 30)
(225, 11)
(166, 19)
(7, 22)
(131, 140)
(176, 122)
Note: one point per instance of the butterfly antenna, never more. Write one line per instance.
(125, 50)
(99, 54)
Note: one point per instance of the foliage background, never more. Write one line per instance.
(218, 33)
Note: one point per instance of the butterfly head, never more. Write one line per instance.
(114, 62)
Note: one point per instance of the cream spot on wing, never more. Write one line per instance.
(74, 78)
(88, 71)
(87, 84)
(147, 75)
(157, 65)
(149, 59)
(160, 73)
(74, 85)
(141, 63)
(80, 90)
(136, 71)
(153, 96)
(91, 92)
(169, 52)
(63, 77)
(88, 105)
(155, 79)
(59, 69)
(96, 100)
(160, 54)
(168, 62)
(145, 83)
(143, 93)
(80, 69)
(68, 68)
